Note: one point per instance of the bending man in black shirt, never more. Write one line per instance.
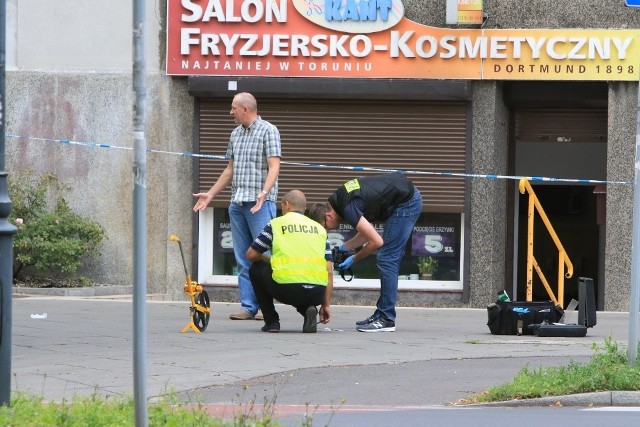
(393, 200)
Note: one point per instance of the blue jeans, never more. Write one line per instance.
(397, 230)
(245, 227)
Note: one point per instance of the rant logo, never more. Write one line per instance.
(352, 16)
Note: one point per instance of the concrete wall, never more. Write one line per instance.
(97, 108)
(72, 35)
(70, 78)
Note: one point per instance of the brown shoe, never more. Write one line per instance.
(259, 316)
(241, 315)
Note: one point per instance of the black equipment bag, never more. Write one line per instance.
(519, 317)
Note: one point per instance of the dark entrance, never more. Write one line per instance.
(572, 211)
(558, 130)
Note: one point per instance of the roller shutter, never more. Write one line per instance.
(416, 136)
(561, 124)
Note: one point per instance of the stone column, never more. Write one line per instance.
(487, 222)
(623, 98)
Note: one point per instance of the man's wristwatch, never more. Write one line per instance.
(264, 192)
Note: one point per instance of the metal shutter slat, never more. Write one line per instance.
(421, 136)
(549, 124)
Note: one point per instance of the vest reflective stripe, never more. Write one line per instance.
(297, 253)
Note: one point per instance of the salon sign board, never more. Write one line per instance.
(373, 39)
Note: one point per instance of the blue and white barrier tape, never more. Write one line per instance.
(353, 168)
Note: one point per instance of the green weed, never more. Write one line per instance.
(28, 411)
(607, 370)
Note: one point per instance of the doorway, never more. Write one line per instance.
(559, 130)
(572, 211)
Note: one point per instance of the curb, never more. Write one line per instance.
(99, 292)
(95, 291)
(601, 398)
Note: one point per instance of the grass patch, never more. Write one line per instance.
(607, 370)
(29, 411)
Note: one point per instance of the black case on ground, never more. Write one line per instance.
(587, 302)
(560, 330)
(519, 317)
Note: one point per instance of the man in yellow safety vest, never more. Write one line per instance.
(300, 270)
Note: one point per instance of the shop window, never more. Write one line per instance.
(437, 237)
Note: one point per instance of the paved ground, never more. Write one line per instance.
(436, 356)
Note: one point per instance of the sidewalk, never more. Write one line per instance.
(84, 346)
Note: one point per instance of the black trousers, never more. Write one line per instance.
(296, 294)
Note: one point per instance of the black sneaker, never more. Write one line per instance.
(379, 324)
(271, 327)
(310, 320)
(368, 320)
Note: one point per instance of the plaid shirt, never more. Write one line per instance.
(249, 149)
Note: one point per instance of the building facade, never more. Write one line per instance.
(541, 89)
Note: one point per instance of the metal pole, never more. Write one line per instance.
(634, 294)
(7, 230)
(139, 218)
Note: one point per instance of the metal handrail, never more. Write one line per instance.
(532, 263)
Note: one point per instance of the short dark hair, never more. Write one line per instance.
(317, 211)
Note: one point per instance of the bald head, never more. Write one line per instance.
(244, 109)
(294, 200)
(247, 100)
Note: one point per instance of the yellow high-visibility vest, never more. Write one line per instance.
(297, 253)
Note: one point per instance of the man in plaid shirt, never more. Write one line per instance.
(254, 154)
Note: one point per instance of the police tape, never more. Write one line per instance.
(328, 166)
